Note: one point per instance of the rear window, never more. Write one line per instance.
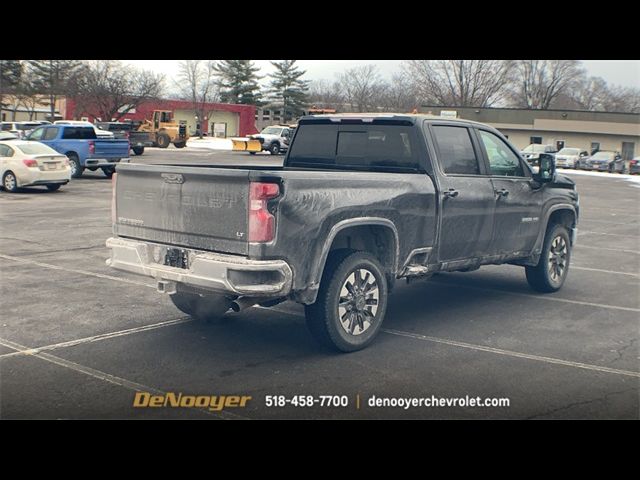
(360, 147)
(6, 127)
(79, 133)
(36, 149)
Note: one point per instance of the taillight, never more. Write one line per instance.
(92, 147)
(262, 224)
(30, 163)
(114, 180)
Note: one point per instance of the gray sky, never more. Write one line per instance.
(615, 72)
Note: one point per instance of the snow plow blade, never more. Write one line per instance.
(248, 145)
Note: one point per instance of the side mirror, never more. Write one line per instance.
(547, 170)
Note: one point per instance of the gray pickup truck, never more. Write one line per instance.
(361, 201)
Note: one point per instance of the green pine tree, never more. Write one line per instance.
(10, 74)
(238, 81)
(55, 78)
(288, 89)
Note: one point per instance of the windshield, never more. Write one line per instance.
(603, 156)
(271, 131)
(26, 126)
(569, 151)
(535, 148)
(36, 149)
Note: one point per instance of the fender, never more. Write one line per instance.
(341, 225)
(537, 248)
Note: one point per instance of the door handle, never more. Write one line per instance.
(451, 193)
(501, 193)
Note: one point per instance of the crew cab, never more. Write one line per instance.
(360, 202)
(83, 149)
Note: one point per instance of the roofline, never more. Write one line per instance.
(391, 115)
(528, 109)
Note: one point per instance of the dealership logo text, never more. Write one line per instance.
(215, 403)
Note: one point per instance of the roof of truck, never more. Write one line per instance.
(396, 116)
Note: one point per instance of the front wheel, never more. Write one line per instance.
(179, 144)
(351, 303)
(163, 140)
(552, 268)
(108, 171)
(10, 182)
(74, 163)
(274, 148)
(138, 150)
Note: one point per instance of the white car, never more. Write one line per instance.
(570, 157)
(99, 132)
(28, 163)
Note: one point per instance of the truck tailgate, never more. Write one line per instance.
(111, 148)
(198, 207)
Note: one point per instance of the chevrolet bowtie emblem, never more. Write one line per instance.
(173, 178)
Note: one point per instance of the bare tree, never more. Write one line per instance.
(623, 99)
(325, 94)
(399, 95)
(362, 87)
(197, 82)
(464, 83)
(109, 89)
(539, 82)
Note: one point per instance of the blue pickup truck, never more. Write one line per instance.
(83, 149)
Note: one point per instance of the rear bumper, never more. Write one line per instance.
(217, 272)
(100, 162)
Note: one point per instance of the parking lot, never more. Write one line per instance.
(78, 339)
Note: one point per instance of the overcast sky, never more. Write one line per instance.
(615, 72)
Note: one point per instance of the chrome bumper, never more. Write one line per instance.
(103, 162)
(207, 270)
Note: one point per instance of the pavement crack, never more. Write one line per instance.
(620, 350)
(602, 398)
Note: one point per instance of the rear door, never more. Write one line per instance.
(517, 203)
(467, 194)
(199, 207)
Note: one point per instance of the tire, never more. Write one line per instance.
(76, 168)
(52, 187)
(10, 182)
(552, 269)
(108, 171)
(163, 140)
(324, 316)
(209, 308)
(252, 153)
(138, 150)
(274, 148)
(179, 144)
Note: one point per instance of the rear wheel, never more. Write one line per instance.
(552, 268)
(10, 182)
(209, 308)
(138, 150)
(52, 187)
(179, 144)
(351, 303)
(74, 163)
(163, 140)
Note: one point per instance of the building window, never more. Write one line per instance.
(595, 147)
(536, 140)
(4, 117)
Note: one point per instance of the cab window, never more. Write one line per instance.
(37, 134)
(502, 160)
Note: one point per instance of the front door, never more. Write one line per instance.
(518, 204)
(467, 195)
(627, 150)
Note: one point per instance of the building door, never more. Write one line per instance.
(559, 145)
(595, 147)
(219, 129)
(628, 149)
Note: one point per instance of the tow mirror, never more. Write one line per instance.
(547, 169)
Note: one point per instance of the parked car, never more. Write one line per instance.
(604, 161)
(4, 136)
(360, 202)
(99, 132)
(634, 166)
(138, 140)
(24, 164)
(19, 129)
(82, 147)
(274, 139)
(570, 157)
(532, 152)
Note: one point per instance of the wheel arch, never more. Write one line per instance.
(562, 213)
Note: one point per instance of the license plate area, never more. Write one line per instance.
(177, 258)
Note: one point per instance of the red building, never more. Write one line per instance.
(227, 119)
